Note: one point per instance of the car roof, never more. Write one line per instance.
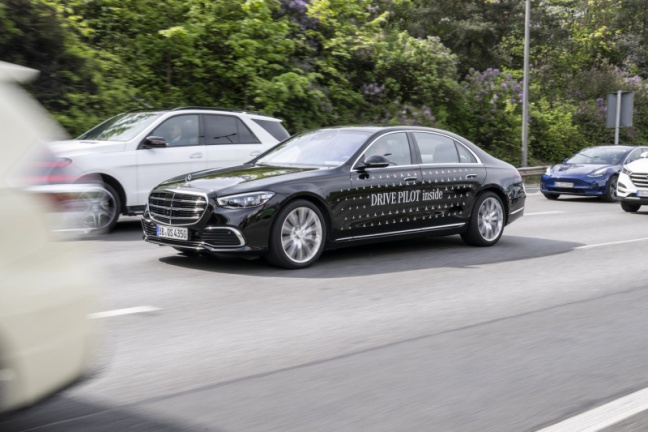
(378, 128)
(611, 147)
(204, 108)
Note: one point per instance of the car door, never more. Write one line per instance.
(184, 154)
(229, 141)
(451, 177)
(384, 200)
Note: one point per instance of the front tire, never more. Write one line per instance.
(486, 221)
(630, 207)
(610, 190)
(102, 211)
(298, 236)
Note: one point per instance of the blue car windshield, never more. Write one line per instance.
(122, 127)
(599, 156)
(326, 147)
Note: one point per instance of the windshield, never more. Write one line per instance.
(599, 156)
(327, 147)
(122, 127)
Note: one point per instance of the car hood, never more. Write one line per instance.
(214, 180)
(73, 148)
(640, 165)
(578, 169)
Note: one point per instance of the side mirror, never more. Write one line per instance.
(374, 161)
(154, 142)
(644, 155)
(565, 160)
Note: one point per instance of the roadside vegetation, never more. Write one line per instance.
(449, 64)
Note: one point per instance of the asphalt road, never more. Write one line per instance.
(427, 335)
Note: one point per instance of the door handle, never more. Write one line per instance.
(471, 176)
(196, 156)
(409, 179)
(255, 153)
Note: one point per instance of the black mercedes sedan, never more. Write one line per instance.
(340, 186)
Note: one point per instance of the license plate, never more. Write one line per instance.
(564, 184)
(642, 193)
(172, 232)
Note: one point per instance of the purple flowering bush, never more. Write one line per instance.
(493, 107)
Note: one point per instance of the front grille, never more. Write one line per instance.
(175, 208)
(639, 179)
(221, 237)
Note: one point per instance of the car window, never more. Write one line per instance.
(394, 147)
(220, 129)
(274, 128)
(635, 154)
(179, 131)
(465, 156)
(436, 148)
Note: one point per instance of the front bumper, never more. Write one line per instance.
(207, 239)
(596, 186)
(219, 230)
(628, 191)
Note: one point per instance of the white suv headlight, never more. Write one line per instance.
(252, 199)
(625, 170)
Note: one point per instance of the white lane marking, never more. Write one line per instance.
(611, 243)
(605, 415)
(127, 311)
(543, 213)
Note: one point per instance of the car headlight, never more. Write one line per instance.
(597, 173)
(625, 170)
(253, 199)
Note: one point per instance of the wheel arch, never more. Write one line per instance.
(113, 182)
(318, 202)
(502, 196)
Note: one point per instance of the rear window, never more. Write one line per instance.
(274, 128)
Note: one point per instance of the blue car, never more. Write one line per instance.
(593, 171)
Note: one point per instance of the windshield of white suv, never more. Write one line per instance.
(122, 127)
(327, 147)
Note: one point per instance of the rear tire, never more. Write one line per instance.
(298, 236)
(486, 221)
(630, 207)
(551, 196)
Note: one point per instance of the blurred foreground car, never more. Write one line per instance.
(633, 184)
(134, 151)
(335, 187)
(593, 171)
(46, 288)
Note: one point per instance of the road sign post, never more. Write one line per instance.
(619, 112)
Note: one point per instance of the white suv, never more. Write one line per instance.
(632, 188)
(135, 151)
